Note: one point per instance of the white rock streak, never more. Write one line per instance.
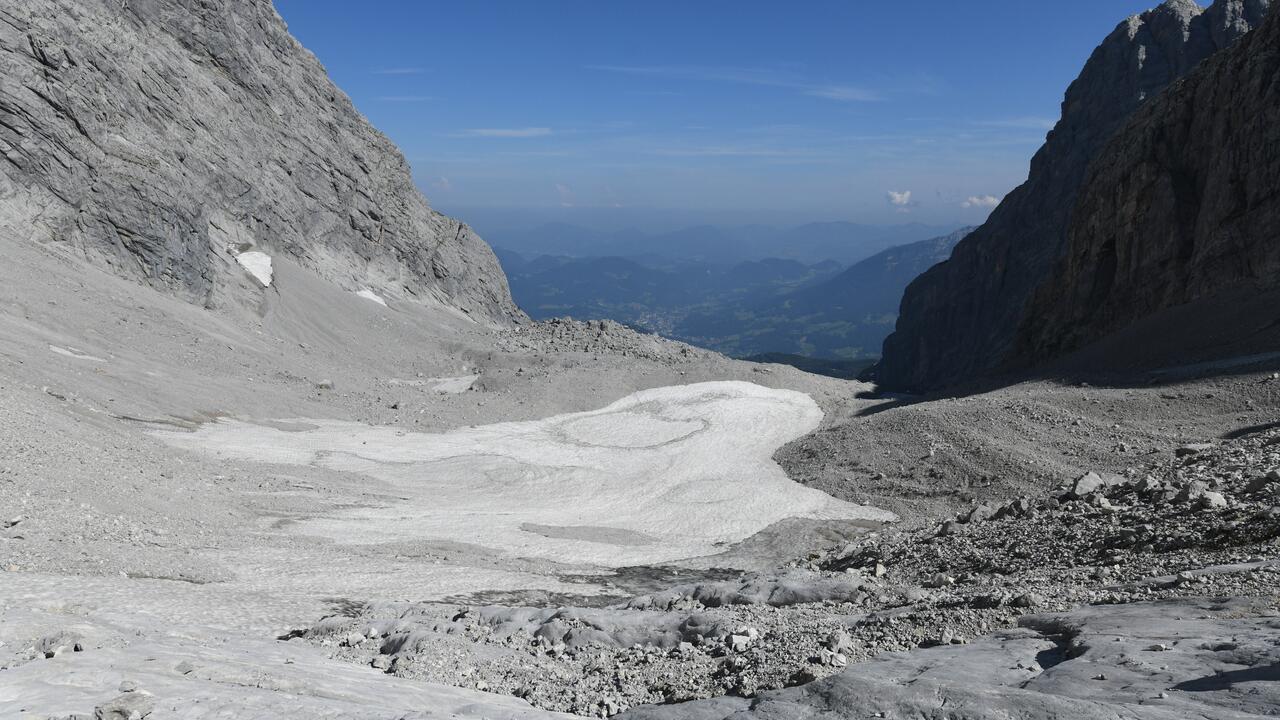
(72, 353)
(368, 294)
(660, 475)
(453, 385)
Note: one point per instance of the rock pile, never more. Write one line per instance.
(596, 337)
(669, 647)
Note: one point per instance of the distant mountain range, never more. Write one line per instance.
(772, 306)
(845, 317)
(649, 293)
(718, 245)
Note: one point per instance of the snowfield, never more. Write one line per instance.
(661, 475)
(259, 266)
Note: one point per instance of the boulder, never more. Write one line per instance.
(127, 706)
(1192, 449)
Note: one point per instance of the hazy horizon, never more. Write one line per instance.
(655, 220)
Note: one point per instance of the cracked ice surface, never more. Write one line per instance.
(660, 475)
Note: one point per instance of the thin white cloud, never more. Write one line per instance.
(728, 151)
(1021, 123)
(405, 98)
(842, 93)
(526, 132)
(400, 71)
(980, 201)
(747, 76)
(899, 199)
(534, 153)
(443, 184)
(566, 195)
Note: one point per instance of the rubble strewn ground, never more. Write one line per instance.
(1164, 660)
(927, 459)
(1204, 523)
(566, 335)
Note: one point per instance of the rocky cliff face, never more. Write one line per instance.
(959, 319)
(162, 137)
(1180, 207)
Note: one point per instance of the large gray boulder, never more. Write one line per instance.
(959, 319)
(162, 137)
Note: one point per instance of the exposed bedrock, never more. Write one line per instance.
(163, 137)
(1179, 210)
(959, 319)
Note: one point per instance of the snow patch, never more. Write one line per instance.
(687, 469)
(368, 294)
(258, 264)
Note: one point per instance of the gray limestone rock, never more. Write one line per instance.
(161, 138)
(1225, 666)
(1087, 485)
(132, 705)
(1177, 225)
(959, 320)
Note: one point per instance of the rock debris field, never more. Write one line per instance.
(267, 516)
(956, 615)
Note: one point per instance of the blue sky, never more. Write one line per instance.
(876, 112)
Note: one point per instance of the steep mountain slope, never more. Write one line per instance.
(874, 286)
(1180, 209)
(163, 137)
(849, 242)
(959, 319)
